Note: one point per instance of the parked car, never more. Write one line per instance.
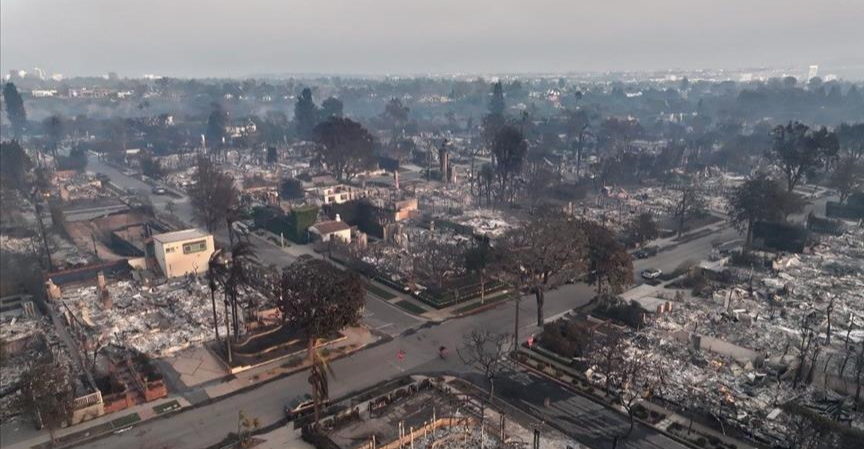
(651, 273)
(159, 191)
(646, 252)
(299, 406)
(240, 228)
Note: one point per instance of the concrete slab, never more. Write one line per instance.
(196, 366)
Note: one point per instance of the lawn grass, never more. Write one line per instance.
(378, 291)
(411, 307)
(77, 436)
(479, 304)
(166, 407)
(124, 421)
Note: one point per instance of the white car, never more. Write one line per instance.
(651, 273)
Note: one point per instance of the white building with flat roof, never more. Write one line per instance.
(183, 252)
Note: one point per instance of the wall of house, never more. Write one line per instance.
(175, 261)
(87, 407)
(344, 235)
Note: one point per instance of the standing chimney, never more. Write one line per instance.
(444, 161)
(104, 295)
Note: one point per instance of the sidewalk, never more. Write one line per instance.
(672, 417)
(284, 437)
(355, 341)
(663, 426)
(98, 426)
(673, 241)
(210, 390)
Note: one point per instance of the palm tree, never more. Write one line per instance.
(318, 300)
(236, 278)
(319, 373)
(215, 271)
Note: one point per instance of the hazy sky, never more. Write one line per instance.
(199, 38)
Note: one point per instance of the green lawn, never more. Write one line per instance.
(479, 304)
(125, 421)
(166, 407)
(378, 291)
(411, 307)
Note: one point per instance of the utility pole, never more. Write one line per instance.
(516, 322)
(38, 205)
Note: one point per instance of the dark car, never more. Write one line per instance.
(299, 406)
(648, 251)
(159, 191)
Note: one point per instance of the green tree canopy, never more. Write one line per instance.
(331, 107)
(15, 109)
(757, 199)
(305, 115)
(345, 146)
(14, 165)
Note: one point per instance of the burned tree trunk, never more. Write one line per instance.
(540, 294)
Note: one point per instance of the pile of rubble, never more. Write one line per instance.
(157, 321)
(82, 188)
(26, 245)
(26, 339)
(760, 328)
(67, 255)
(617, 206)
(487, 222)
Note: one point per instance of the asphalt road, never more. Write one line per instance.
(206, 425)
(689, 253)
(586, 421)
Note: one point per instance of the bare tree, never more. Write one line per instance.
(609, 265)
(642, 229)
(486, 351)
(636, 380)
(212, 195)
(847, 178)
(46, 393)
(689, 204)
(545, 251)
(437, 259)
(607, 355)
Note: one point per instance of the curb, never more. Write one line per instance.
(609, 406)
(209, 401)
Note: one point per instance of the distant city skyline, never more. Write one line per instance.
(198, 38)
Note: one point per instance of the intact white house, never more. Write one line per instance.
(183, 252)
(327, 230)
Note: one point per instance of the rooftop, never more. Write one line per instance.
(179, 236)
(329, 227)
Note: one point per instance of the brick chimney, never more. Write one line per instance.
(104, 295)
